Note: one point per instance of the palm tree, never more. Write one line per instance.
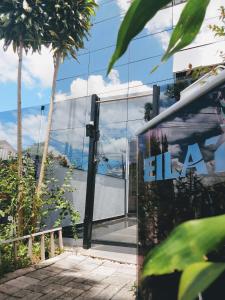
(68, 25)
(21, 25)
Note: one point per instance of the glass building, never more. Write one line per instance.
(126, 97)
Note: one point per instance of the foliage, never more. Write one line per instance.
(219, 30)
(54, 199)
(189, 244)
(68, 24)
(142, 11)
(197, 277)
(22, 21)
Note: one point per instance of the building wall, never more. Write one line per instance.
(109, 195)
(132, 72)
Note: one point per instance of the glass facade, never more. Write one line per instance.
(181, 177)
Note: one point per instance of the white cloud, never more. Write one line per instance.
(165, 18)
(96, 84)
(112, 132)
(34, 130)
(123, 4)
(37, 69)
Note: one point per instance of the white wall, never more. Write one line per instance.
(109, 195)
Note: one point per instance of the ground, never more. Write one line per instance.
(71, 276)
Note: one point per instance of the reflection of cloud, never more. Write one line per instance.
(95, 83)
(31, 130)
(168, 17)
(123, 4)
(161, 21)
(114, 146)
(36, 68)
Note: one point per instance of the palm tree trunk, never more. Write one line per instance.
(45, 151)
(19, 140)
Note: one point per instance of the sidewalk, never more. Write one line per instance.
(71, 276)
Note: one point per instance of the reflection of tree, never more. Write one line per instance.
(192, 199)
(148, 111)
(173, 90)
(165, 204)
(155, 213)
(156, 210)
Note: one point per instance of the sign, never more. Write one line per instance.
(159, 167)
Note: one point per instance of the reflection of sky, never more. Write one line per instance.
(34, 126)
(198, 123)
(131, 74)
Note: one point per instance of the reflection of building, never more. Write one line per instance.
(193, 187)
(6, 150)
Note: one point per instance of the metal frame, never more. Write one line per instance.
(92, 131)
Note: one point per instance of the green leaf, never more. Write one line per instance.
(188, 243)
(139, 13)
(197, 277)
(188, 26)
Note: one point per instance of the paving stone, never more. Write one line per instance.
(93, 292)
(59, 287)
(27, 295)
(108, 293)
(22, 282)
(54, 269)
(3, 296)
(125, 294)
(115, 279)
(77, 285)
(106, 271)
(41, 274)
(72, 294)
(38, 289)
(73, 277)
(127, 269)
(33, 296)
(48, 281)
(64, 279)
(69, 262)
(52, 295)
(8, 289)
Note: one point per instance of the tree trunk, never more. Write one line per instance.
(19, 141)
(45, 151)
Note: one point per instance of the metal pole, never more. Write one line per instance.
(156, 96)
(92, 131)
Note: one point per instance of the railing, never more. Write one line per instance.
(30, 243)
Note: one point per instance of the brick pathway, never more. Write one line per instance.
(71, 276)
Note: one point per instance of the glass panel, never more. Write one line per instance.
(161, 22)
(69, 114)
(143, 48)
(99, 59)
(112, 149)
(139, 71)
(107, 29)
(137, 108)
(114, 84)
(106, 10)
(112, 112)
(181, 175)
(69, 144)
(72, 67)
(72, 88)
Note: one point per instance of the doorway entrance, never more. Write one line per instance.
(111, 200)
